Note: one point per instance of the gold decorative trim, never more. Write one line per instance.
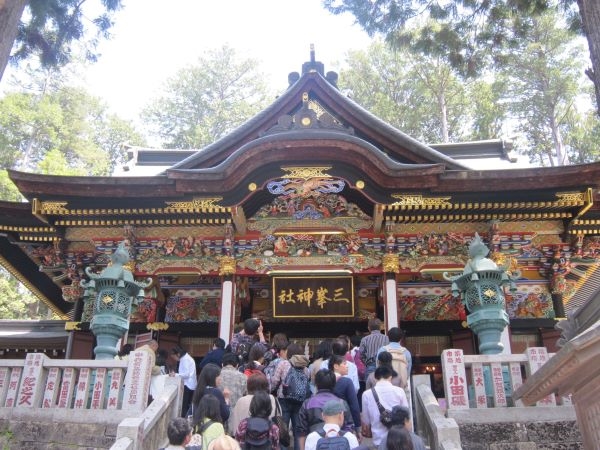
(390, 263)
(307, 271)
(142, 222)
(19, 229)
(72, 326)
(157, 326)
(227, 265)
(565, 200)
(360, 184)
(571, 198)
(586, 222)
(206, 203)
(53, 208)
(419, 200)
(252, 187)
(285, 231)
(476, 217)
(586, 232)
(306, 172)
(316, 107)
(25, 282)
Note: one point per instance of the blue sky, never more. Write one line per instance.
(152, 39)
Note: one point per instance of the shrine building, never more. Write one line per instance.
(314, 216)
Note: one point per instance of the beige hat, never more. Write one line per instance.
(224, 442)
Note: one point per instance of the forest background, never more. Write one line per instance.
(438, 71)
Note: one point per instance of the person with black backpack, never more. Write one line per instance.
(291, 383)
(330, 436)
(242, 342)
(310, 417)
(258, 432)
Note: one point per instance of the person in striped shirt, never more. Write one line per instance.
(371, 343)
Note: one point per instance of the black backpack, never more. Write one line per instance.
(258, 434)
(296, 386)
(337, 442)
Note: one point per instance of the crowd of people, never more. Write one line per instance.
(258, 395)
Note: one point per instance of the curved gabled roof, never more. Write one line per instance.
(372, 130)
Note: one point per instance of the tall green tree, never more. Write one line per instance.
(16, 302)
(472, 33)
(48, 28)
(489, 111)
(589, 21)
(544, 75)
(582, 140)
(420, 96)
(37, 130)
(203, 102)
(465, 33)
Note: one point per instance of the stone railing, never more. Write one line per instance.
(440, 432)
(149, 430)
(109, 394)
(479, 397)
(488, 381)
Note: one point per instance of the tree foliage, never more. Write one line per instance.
(420, 96)
(16, 302)
(520, 68)
(66, 132)
(544, 78)
(48, 29)
(203, 102)
(465, 33)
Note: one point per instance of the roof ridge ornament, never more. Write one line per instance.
(313, 65)
(311, 115)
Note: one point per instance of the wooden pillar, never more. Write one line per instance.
(391, 301)
(391, 266)
(226, 309)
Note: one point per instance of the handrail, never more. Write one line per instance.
(440, 432)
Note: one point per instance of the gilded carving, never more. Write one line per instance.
(419, 200)
(227, 265)
(573, 198)
(72, 326)
(54, 208)
(157, 326)
(198, 204)
(390, 263)
(306, 172)
(265, 264)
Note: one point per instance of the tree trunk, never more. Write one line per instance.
(443, 107)
(590, 18)
(562, 158)
(10, 15)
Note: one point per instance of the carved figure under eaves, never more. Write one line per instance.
(531, 301)
(441, 306)
(145, 311)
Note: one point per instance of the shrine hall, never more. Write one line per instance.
(314, 216)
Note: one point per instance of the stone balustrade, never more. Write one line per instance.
(479, 396)
(100, 403)
(488, 381)
(45, 383)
